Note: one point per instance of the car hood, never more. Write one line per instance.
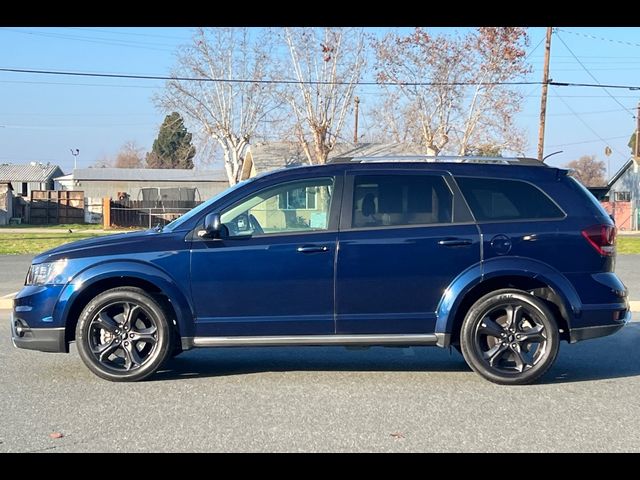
(91, 246)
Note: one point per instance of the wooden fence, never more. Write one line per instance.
(50, 207)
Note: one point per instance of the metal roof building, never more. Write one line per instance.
(30, 176)
(264, 157)
(112, 182)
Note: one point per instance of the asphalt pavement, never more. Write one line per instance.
(323, 399)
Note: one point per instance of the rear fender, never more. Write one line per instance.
(503, 267)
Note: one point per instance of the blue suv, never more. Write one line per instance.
(498, 258)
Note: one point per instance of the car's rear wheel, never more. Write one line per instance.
(123, 335)
(510, 337)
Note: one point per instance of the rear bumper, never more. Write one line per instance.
(595, 331)
(42, 339)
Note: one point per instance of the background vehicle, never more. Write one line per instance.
(500, 258)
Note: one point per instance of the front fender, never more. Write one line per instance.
(134, 269)
(504, 267)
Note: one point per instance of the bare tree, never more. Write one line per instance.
(103, 162)
(130, 156)
(326, 63)
(589, 170)
(227, 111)
(448, 92)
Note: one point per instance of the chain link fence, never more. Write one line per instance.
(146, 213)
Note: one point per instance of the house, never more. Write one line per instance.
(29, 177)
(145, 183)
(6, 203)
(264, 157)
(621, 197)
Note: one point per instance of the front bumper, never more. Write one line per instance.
(34, 325)
(42, 339)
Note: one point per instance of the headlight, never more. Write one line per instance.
(46, 273)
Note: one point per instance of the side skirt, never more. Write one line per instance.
(311, 340)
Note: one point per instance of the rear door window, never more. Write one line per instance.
(397, 200)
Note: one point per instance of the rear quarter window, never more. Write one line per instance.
(589, 199)
(493, 199)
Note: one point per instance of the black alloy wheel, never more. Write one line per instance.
(510, 337)
(123, 335)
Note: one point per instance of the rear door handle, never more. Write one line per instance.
(455, 242)
(312, 249)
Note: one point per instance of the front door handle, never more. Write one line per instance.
(455, 242)
(313, 248)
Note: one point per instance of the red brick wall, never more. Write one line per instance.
(622, 212)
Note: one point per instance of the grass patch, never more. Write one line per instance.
(33, 243)
(628, 245)
(65, 226)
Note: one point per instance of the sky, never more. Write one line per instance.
(43, 117)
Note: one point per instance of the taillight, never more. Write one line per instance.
(602, 238)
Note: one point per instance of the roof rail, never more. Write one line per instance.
(451, 159)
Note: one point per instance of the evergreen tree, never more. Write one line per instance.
(172, 148)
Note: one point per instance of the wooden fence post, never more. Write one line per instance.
(106, 213)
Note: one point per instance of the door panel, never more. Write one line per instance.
(404, 237)
(264, 285)
(274, 274)
(391, 280)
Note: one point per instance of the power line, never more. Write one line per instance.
(594, 37)
(588, 141)
(296, 82)
(244, 80)
(534, 48)
(97, 40)
(593, 112)
(591, 75)
(117, 32)
(589, 126)
(369, 93)
(118, 85)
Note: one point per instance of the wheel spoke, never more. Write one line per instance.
(490, 328)
(104, 351)
(521, 363)
(533, 334)
(132, 357)
(495, 353)
(146, 335)
(514, 315)
(131, 313)
(105, 322)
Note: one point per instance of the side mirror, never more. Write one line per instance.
(213, 227)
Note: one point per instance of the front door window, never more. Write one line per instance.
(292, 207)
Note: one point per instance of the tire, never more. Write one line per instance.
(507, 352)
(122, 349)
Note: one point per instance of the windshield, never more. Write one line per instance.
(178, 222)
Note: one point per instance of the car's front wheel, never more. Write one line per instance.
(510, 337)
(123, 335)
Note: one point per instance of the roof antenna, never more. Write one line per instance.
(551, 154)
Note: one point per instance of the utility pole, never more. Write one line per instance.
(637, 149)
(543, 100)
(355, 129)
